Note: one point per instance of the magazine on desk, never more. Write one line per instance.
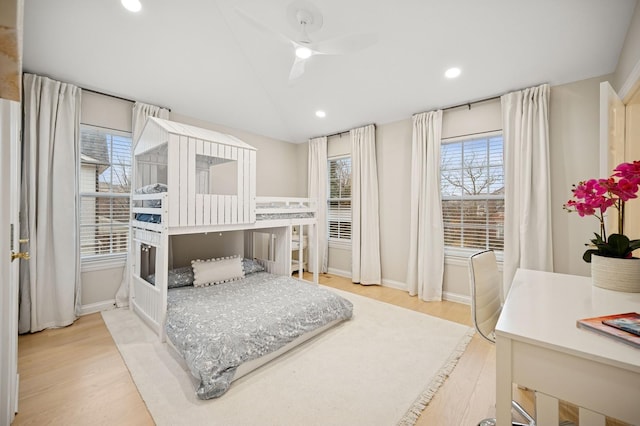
(622, 327)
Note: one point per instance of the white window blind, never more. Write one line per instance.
(339, 201)
(105, 185)
(472, 187)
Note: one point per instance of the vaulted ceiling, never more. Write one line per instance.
(222, 61)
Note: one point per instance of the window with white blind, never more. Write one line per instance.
(105, 184)
(472, 187)
(339, 200)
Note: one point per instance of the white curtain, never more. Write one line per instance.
(318, 180)
(425, 270)
(50, 280)
(365, 222)
(141, 112)
(527, 210)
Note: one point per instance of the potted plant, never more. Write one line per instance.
(612, 263)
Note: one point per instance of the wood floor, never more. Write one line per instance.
(75, 375)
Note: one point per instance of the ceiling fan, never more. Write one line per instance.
(306, 18)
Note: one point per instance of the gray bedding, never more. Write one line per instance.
(218, 328)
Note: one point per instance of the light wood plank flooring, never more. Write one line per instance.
(75, 375)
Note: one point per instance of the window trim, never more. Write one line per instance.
(462, 253)
(338, 243)
(97, 262)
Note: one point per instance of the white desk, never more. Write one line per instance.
(538, 346)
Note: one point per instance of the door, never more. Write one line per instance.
(9, 245)
(612, 139)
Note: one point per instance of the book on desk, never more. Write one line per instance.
(622, 327)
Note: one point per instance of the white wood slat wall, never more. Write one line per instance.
(188, 207)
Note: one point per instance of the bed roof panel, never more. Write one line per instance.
(156, 132)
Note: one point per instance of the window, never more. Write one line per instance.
(105, 184)
(472, 187)
(339, 201)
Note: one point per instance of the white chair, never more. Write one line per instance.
(486, 306)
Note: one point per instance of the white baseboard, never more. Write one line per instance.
(394, 284)
(97, 307)
(339, 272)
(456, 297)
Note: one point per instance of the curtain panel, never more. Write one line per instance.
(425, 271)
(527, 215)
(140, 113)
(49, 216)
(318, 181)
(365, 222)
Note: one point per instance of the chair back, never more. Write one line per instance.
(484, 278)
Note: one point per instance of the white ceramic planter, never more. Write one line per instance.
(616, 274)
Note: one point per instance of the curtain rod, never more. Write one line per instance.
(467, 104)
(115, 96)
(345, 131)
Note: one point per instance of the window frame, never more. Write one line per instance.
(96, 262)
(459, 253)
(340, 243)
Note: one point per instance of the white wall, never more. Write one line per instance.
(574, 139)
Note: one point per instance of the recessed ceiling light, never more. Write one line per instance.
(303, 52)
(321, 114)
(452, 72)
(132, 5)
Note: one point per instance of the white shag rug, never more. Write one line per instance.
(380, 368)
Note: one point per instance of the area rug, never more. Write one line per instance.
(380, 368)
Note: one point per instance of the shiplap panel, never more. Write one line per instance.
(214, 209)
(206, 204)
(240, 204)
(206, 148)
(191, 182)
(252, 187)
(173, 179)
(199, 147)
(214, 149)
(199, 210)
(247, 185)
(227, 152)
(227, 209)
(182, 187)
(220, 209)
(234, 209)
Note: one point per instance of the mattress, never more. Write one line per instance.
(219, 328)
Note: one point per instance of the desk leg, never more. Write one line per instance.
(504, 380)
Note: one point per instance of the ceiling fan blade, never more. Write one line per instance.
(347, 44)
(261, 27)
(297, 69)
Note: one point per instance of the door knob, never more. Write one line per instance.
(20, 255)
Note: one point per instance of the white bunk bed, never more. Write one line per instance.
(188, 180)
(184, 160)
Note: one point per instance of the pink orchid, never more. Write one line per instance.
(630, 171)
(594, 196)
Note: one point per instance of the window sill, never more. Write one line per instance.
(99, 263)
(460, 256)
(343, 245)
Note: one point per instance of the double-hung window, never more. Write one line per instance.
(105, 185)
(339, 201)
(472, 188)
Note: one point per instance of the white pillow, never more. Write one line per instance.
(216, 271)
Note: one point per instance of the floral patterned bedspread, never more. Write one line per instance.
(217, 328)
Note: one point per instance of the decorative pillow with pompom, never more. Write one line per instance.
(216, 271)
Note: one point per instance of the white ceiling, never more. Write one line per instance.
(203, 59)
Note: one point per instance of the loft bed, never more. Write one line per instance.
(188, 180)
